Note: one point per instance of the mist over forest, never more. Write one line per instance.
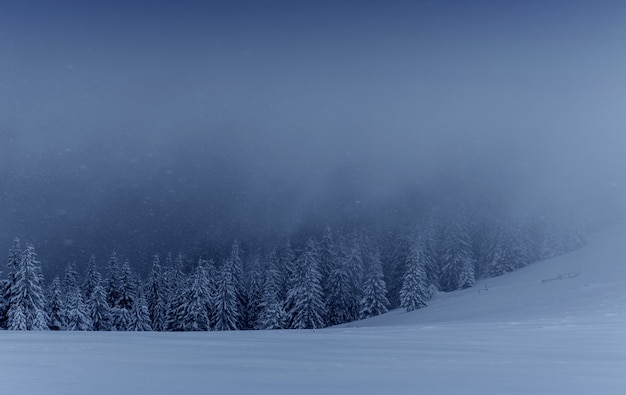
(163, 128)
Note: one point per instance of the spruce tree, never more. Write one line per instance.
(212, 275)
(457, 265)
(77, 318)
(70, 280)
(273, 314)
(4, 302)
(305, 296)
(27, 310)
(76, 312)
(429, 243)
(413, 293)
(225, 310)
(236, 263)
(197, 307)
(520, 247)
(99, 310)
(481, 240)
(254, 294)
(156, 296)
(374, 301)
(327, 257)
(113, 280)
(502, 259)
(13, 261)
(12, 267)
(175, 279)
(56, 309)
(120, 319)
(286, 260)
(17, 319)
(139, 315)
(338, 299)
(127, 295)
(92, 278)
(127, 288)
(354, 269)
(393, 259)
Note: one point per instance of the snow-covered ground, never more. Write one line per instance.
(510, 335)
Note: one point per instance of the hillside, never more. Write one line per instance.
(515, 334)
(584, 286)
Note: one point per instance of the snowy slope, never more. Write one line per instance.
(518, 335)
(594, 292)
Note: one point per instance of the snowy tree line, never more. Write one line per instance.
(334, 279)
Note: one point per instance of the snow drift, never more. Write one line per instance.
(514, 334)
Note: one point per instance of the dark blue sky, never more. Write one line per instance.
(259, 116)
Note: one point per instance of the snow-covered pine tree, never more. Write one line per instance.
(354, 269)
(225, 310)
(236, 263)
(197, 302)
(175, 280)
(178, 264)
(12, 267)
(99, 310)
(374, 301)
(306, 297)
(120, 319)
(393, 257)
(139, 315)
(70, 280)
(338, 297)
(519, 247)
(485, 237)
(212, 275)
(156, 295)
(113, 280)
(76, 312)
(56, 310)
(77, 318)
(13, 261)
(481, 241)
(4, 302)
(127, 287)
(27, 310)
(430, 243)
(17, 318)
(501, 254)
(273, 314)
(286, 261)
(457, 265)
(92, 278)
(413, 294)
(327, 256)
(254, 294)
(127, 290)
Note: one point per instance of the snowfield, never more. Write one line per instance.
(514, 334)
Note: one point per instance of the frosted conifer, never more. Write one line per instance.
(156, 296)
(306, 297)
(374, 300)
(28, 302)
(225, 310)
(413, 293)
(56, 306)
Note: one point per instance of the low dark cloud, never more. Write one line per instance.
(166, 127)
